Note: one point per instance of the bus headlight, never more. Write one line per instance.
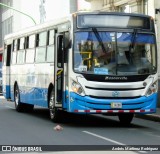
(76, 87)
(152, 89)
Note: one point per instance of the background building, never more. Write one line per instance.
(39, 10)
(134, 6)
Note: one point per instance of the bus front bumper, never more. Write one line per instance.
(86, 104)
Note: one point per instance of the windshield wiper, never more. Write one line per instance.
(99, 39)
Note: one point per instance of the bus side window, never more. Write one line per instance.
(21, 43)
(50, 46)
(14, 53)
(7, 55)
(30, 48)
(21, 51)
(41, 47)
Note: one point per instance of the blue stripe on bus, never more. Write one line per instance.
(38, 96)
(35, 96)
(88, 103)
(6, 91)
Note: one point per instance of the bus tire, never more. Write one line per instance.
(55, 114)
(18, 105)
(29, 107)
(125, 119)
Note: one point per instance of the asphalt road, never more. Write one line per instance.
(96, 130)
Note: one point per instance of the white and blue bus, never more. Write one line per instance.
(88, 63)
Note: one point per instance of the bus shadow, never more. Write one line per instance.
(95, 120)
(79, 120)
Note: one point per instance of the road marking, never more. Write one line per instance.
(104, 138)
(9, 107)
(108, 139)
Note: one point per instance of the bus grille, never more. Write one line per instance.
(98, 97)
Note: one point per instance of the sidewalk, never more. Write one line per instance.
(153, 117)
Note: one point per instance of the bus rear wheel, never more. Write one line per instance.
(18, 105)
(55, 114)
(125, 119)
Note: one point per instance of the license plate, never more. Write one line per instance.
(116, 105)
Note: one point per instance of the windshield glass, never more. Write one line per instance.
(110, 53)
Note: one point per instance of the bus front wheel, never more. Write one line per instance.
(125, 119)
(55, 114)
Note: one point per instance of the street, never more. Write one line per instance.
(36, 129)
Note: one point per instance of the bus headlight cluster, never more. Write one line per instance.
(152, 89)
(76, 87)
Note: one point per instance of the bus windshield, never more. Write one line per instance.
(114, 53)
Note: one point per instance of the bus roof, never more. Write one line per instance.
(37, 28)
(54, 23)
(113, 13)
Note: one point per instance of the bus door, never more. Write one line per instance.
(6, 71)
(59, 67)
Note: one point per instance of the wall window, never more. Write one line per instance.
(105, 2)
(124, 8)
(7, 2)
(7, 26)
(50, 47)
(41, 47)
